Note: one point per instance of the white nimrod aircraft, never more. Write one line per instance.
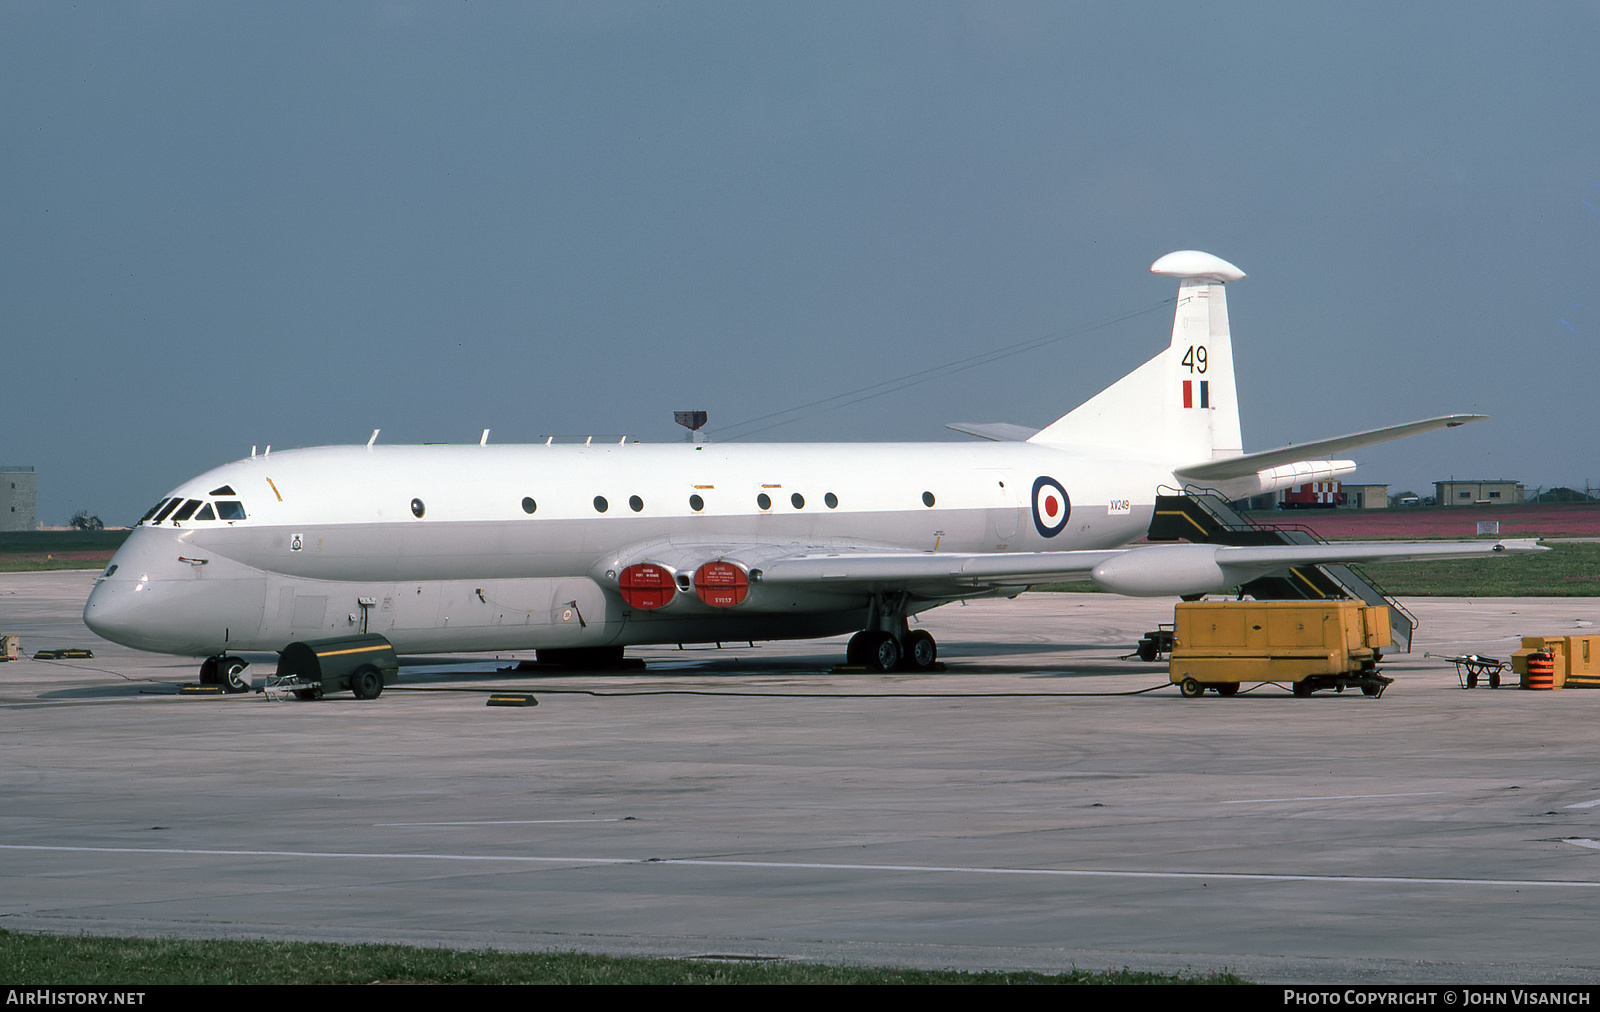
(579, 550)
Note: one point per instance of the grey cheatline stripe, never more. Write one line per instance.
(1203, 876)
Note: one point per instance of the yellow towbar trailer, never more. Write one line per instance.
(1310, 644)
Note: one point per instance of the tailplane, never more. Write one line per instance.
(1181, 404)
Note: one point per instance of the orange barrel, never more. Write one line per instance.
(1541, 671)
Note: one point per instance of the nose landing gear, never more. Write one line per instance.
(226, 672)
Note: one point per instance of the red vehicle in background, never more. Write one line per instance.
(1316, 495)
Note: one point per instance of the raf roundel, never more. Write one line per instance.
(1051, 507)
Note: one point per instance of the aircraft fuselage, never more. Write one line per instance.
(508, 547)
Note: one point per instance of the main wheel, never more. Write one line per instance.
(366, 682)
(1190, 689)
(921, 650)
(230, 674)
(886, 653)
(208, 671)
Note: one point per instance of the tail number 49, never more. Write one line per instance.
(1195, 358)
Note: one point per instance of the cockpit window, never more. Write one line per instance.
(229, 509)
(205, 513)
(168, 508)
(186, 511)
(224, 490)
(152, 512)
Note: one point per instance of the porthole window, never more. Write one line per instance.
(832, 500)
(764, 501)
(798, 500)
(417, 509)
(696, 503)
(600, 504)
(927, 498)
(635, 503)
(528, 505)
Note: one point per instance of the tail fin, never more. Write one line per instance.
(1180, 405)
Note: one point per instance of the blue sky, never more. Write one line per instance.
(236, 224)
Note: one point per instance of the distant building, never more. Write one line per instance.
(1498, 492)
(1325, 494)
(19, 498)
(1366, 497)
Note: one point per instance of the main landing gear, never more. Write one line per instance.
(887, 644)
(228, 672)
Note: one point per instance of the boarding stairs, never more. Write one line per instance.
(1203, 516)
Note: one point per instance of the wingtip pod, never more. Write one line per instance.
(1519, 546)
(1191, 263)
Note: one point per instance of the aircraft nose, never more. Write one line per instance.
(112, 611)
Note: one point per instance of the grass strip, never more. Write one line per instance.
(85, 960)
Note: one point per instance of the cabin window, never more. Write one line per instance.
(696, 503)
(168, 508)
(764, 501)
(205, 513)
(186, 511)
(600, 504)
(927, 498)
(224, 490)
(417, 509)
(635, 503)
(528, 505)
(832, 500)
(230, 509)
(798, 500)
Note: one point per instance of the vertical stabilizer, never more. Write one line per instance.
(1181, 405)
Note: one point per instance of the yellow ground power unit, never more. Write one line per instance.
(1309, 644)
(1577, 659)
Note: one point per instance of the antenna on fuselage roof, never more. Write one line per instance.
(484, 441)
(374, 438)
(693, 421)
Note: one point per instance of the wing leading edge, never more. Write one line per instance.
(1151, 571)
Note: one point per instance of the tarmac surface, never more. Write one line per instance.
(1027, 807)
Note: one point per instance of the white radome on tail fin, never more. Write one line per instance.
(1180, 405)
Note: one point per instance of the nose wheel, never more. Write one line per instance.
(227, 672)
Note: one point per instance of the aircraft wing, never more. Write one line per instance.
(1145, 571)
(1250, 463)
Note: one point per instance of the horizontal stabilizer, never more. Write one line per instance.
(1250, 463)
(1000, 432)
